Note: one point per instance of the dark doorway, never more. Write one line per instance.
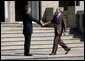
(18, 10)
(77, 18)
(40, 10)
(2, 12)
(19, 6)
(65, 4)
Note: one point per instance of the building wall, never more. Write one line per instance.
(79, 10)
(70, 17)
(9, 11)
(71, 13)
(71, 21)
(80, 7)
(48, 4)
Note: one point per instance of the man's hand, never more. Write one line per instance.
(64, 32)
(43, 24)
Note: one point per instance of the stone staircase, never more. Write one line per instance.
(12, 43)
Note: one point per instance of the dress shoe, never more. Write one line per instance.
(68, 51)
(52, 54)
(27, 54)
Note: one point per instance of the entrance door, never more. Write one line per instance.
(2, 13)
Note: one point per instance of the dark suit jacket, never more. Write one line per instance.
(60, 25)
(27, 23)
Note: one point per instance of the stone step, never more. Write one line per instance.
(17, 23)
(74, 40)
(21, 28)
(40, 37)
(22, 31)
(38, 43)
(49, 28)
(33, 35)
(36, 39)
(12, 40)
(41, 50)
(11, 25)
(11, 22)
(39, 46)
(34, 32)
(38, 33)
(35, 28)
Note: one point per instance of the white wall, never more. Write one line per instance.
(47, 4)
(79, 8)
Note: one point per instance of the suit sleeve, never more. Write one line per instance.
(64, 23)
(37, 21)
(53, 19)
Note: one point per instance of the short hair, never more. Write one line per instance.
(59, 9)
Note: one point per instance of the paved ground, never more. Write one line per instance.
(74, 54)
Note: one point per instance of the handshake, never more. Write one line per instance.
(42, 23)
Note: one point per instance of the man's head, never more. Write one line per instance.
(27, 9)
(58, 10)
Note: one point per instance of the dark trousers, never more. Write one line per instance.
(58, 40)
(27, 43)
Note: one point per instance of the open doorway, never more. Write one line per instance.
(2, 12)
(18, 10)
(19, 6)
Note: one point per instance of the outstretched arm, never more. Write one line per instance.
(37, 21)
(44, 24)
(47, 23)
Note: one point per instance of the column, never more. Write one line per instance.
(35, 9)
(6, 11)
(11, 11)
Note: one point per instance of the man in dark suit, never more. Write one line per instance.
(59, 27)
(28, 28)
